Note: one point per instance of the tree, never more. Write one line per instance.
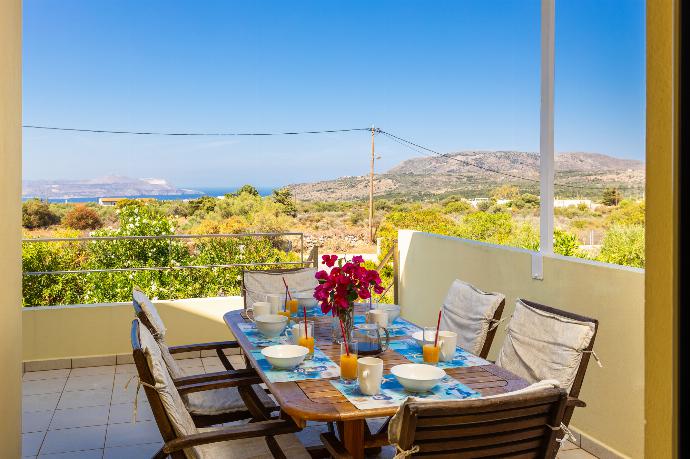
(623, 245)
(284, 197)
(82, 218)
(565, 243)
(249, 189)
(37, 214)
(506, 192)
(628, 213)
(611, 197)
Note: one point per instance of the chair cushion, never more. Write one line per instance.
(150, 312)
(468, 312)
(250, 448)
(543, 345)
(173, 366)
(257, 284)
(221, 401)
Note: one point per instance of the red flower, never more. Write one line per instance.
(329, 260)
(347, 281)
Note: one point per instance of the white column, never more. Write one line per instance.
(546, 143)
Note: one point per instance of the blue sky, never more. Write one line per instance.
(451, 75)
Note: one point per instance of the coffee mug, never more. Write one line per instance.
(447, 342)
(378, 317)
(277, 301)
(369, 375)
(295, 332)
(259, 308)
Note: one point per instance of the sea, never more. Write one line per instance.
(201, 191)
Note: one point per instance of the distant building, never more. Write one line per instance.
(575, 202)
(110, 202)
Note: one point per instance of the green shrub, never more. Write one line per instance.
(37, 214)
(487, 227)
(623, 245)
(82, 218)
(627, 213)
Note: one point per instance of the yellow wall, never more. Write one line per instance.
(661, 320)
(10, 229)
(58, 332)
(614, 295)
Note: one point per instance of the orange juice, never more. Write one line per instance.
(291, 305)
(307, 342)
(348, 366)
(285, 313)
(430, 353)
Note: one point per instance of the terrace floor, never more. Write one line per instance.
(86, 413)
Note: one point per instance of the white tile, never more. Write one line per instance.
(36, 421)
(132, 452)
(43, 386)
(129, 434)
(187, 355)
(97, 361)
(89, 382)
(31, 443)
(127, 369)
(87, 371)
(575, 454)
(89, 454)
(126, 395)
(568, 445)
(211, 361)
(46, 374)
(214, 369)
(78, 439)
(80, 417)
(124, 412)
(83, 398)
(42, 402)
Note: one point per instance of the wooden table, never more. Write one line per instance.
(318, 400)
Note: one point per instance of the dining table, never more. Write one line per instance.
(319, 400)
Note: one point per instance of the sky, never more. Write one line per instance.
(451, 75)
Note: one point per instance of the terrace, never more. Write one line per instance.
(71, 363)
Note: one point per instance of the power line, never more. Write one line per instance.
(197, 134)
(416, 147)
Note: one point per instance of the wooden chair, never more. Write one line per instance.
(570, 337)
(474, 315)
(219, 404)
(182, 436)
(523, 425)
(257, 284)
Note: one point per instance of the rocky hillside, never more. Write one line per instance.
(418, 178)
(110, 186)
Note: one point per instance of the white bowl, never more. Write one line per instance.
(418, 336)
(284, 356)
(418, 377)
(393, 311)
(304, 299)
(270, 325)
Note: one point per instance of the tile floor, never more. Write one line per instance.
(86, 413)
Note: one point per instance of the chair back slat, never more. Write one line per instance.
(520, 425)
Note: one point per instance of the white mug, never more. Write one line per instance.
(296, 331)
(378, 317)
(277, 301)
(369, 375)
(259, 308)
(447, 342)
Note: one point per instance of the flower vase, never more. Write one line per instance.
(347, 317)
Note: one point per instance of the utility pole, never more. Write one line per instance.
(371, 188)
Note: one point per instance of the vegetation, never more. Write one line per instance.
(612, 234)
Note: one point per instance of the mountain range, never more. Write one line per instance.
(109, 186)
(474, 174)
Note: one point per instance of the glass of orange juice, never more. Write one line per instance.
(306, 337)
(291, 305)
(348, 361)
(430, 351)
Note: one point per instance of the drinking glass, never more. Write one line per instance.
(305, 339)
(430, 351)
(348, 362)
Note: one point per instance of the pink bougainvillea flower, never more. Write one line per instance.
(357, 259)
(329, 260)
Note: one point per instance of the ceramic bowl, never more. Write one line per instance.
(270, 325)
(304, 299)
(285, 356)
(418, 336)
(418, 377)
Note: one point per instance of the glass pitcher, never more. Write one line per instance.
(371, 341)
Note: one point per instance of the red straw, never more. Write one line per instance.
(286, 288)
(342, 329)
(438, 325)
(306, 330)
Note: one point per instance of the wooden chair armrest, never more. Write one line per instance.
(204, 346)
(334, 446)
(202, 386)
(236, 432)
(218, 376)
(574, 401)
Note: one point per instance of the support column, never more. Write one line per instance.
(10, 228)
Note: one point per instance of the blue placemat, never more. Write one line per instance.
(319, 367)
(256, 338)
(413, 352)
(311, 312)
(393, 394)
(399, 327)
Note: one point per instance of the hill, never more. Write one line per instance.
(428, 177)
(99, 187)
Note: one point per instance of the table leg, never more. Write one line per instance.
(352, 436)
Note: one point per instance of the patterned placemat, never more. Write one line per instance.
(256, 338)
(319, 367)
(399, 327)
(393, 394)
(413, 352)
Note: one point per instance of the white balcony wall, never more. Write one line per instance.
(613, 421)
